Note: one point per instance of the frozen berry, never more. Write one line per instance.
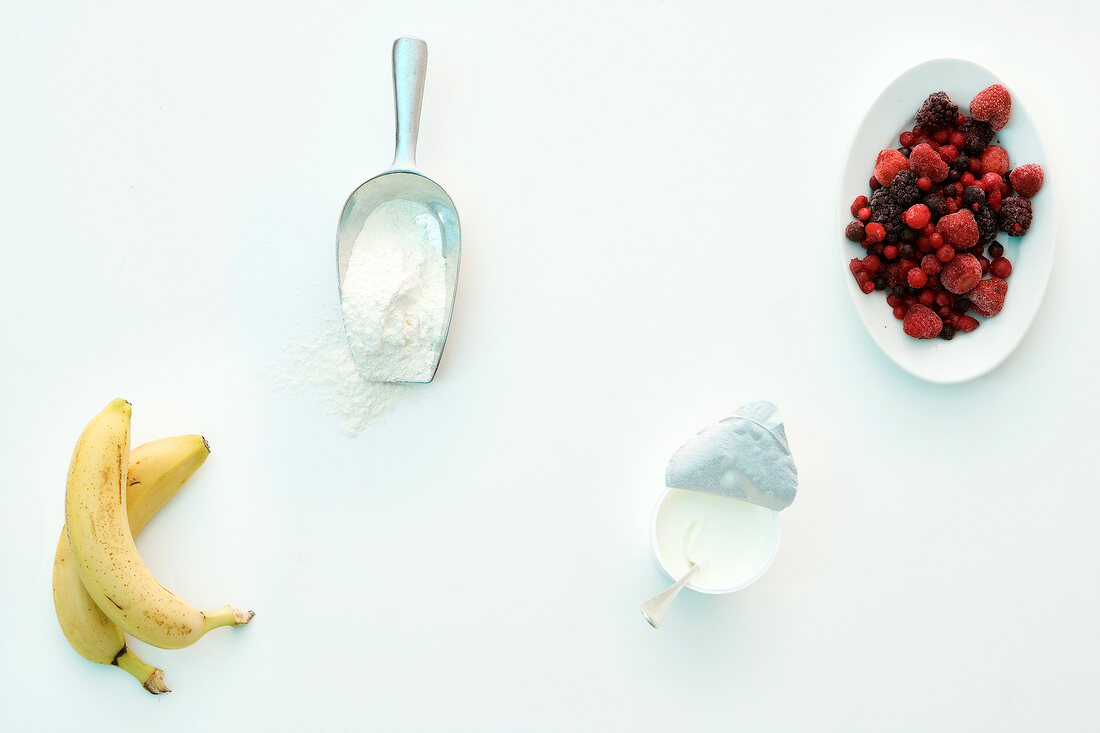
(907, 139)
(973, 197)
(859, 203)
(996, 250)
(966, 324)
(993, 105)
(925, 162)
(922, 323)
(947, 332)
(1015, 216)
(961, 274)
(1027, 179)
(864, 214)
(936, 203)
(875, 232)
(854, 231)
(872, 265)
(1000, 267)
(995, 160)
(917, 216)
(924, 183)
(948, 153)
(989, 181)
(946, 253)
(899, 312)
(931, 264)
(926, 298)
(959, 229)
(977, 134)
(988, 296)
(874, 184)
(888, 164)
(916, 278)
(890, 252)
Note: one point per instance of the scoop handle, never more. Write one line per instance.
(410, 64)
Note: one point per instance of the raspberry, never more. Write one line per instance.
(995, 160)
(977, 134)
(1027, 179)
(988, 296)
(959, 229)
(874, 232)
(888, 164)
(859, 203)
(925, 162)
(1015, 216)
(854, 232)
(937, 112)
(917, 216)
(961, 274)
(917, 278)
(1000, 267)
(921, 322)
(948, 153)
(993, 105)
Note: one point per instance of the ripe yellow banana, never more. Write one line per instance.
(103, 546)
(157, 471)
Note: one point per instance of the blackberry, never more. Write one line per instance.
(977, 134)
(973, 195)
(937, 112)
(937, 204)
(908, 234)
(886, 212)
(987, 223)
(1015, 216)
(947, 332)
(903, 189)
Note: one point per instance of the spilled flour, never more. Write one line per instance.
(394, 310)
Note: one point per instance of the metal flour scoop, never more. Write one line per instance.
(402, 183)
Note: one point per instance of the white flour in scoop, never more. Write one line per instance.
(394, 308)
(394, 293)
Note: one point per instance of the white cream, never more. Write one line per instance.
(733, 541)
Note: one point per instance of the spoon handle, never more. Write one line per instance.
(655, 608)
(410, 63)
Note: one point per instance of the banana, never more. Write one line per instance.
(157, 471)
(103, 546)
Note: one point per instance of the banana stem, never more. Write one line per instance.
(151, 678)
(225, 616)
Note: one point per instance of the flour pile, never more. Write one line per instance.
(394, 311)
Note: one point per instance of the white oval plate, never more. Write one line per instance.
(968, 355)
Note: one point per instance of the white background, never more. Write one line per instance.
(647, 194)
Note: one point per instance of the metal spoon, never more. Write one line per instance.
(403, 181)
(656, 607)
